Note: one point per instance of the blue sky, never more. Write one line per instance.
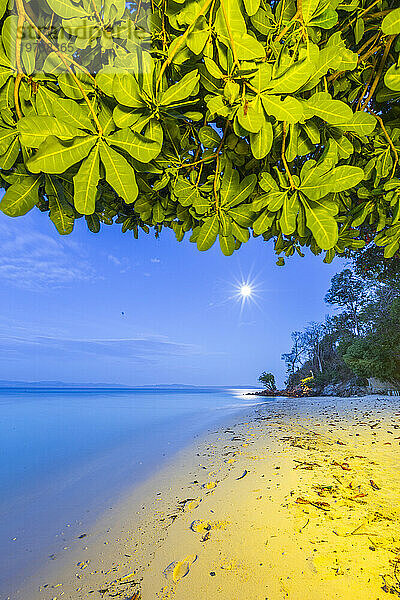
(108, 308)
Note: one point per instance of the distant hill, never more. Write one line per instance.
(4, 383)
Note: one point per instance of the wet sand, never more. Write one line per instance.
(294, 499)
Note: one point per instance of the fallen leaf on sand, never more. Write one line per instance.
(178, 569)
(200, 526)
(192, 504)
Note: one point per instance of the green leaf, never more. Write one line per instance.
(105, 79)
(318, 182)
(53, 64)
(66, 9)
(289, 110)
(344, 177)
(334, 112)
(251, 6)
(263, 222)
(288, 218)
(362, 123)
(243, 215)
(71, 88)
(3, 7)
(261, 142)
(8, 158)
(227, 244)
(61, 212)
(73, 113)
(140, 147)
(293, 79)
(325, 20)
(248, 48)
(391, 22)
(240, 193)
(199, 35)
(181, 90)
(263, 22)
(209, 137)
(268, 183)
(213, 68)
(392, 78)
(187, 193)
(127, 91)
(119, 173)
(85, 183)
(208, 233)
(229, 184)
(251, 116)
(45, 101)
(33, 131)
(20, 197)
(5, 74)
(55, 156)
(359, 29)
(7, 136)
(229, 20)
(322, 225)
(93, 223)
(241, 233)
(308, 8)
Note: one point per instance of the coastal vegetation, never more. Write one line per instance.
(268, 381)
(362, 340)
(221, 119)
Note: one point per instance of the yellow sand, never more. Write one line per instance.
(300, 500)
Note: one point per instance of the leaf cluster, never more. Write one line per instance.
(221, 119)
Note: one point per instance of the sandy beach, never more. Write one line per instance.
(292, 499)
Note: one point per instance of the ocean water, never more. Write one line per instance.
(66, 456)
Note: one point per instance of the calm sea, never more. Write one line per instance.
(66, 456)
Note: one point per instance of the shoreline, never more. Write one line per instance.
(277, 502)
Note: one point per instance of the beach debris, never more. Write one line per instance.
(179, 569)
(192, 504)
(304, 526)
(205, 537)
(345, 466)
(317, 504)
(82, 536)
(391, 585)
(308, 466)
(200, 526)
(210, 485)
(125, 578)
(243, 475)
(373, 485)
(204, 526)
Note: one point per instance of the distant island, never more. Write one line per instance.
(10, 384)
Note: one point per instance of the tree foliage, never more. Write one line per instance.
(218, 118)
(268, 381)
(362, 341)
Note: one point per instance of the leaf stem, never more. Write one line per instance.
(389, 139)
(379, 73)
(234, 52)
(18, 48)
(55, 49)
(181, 41)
